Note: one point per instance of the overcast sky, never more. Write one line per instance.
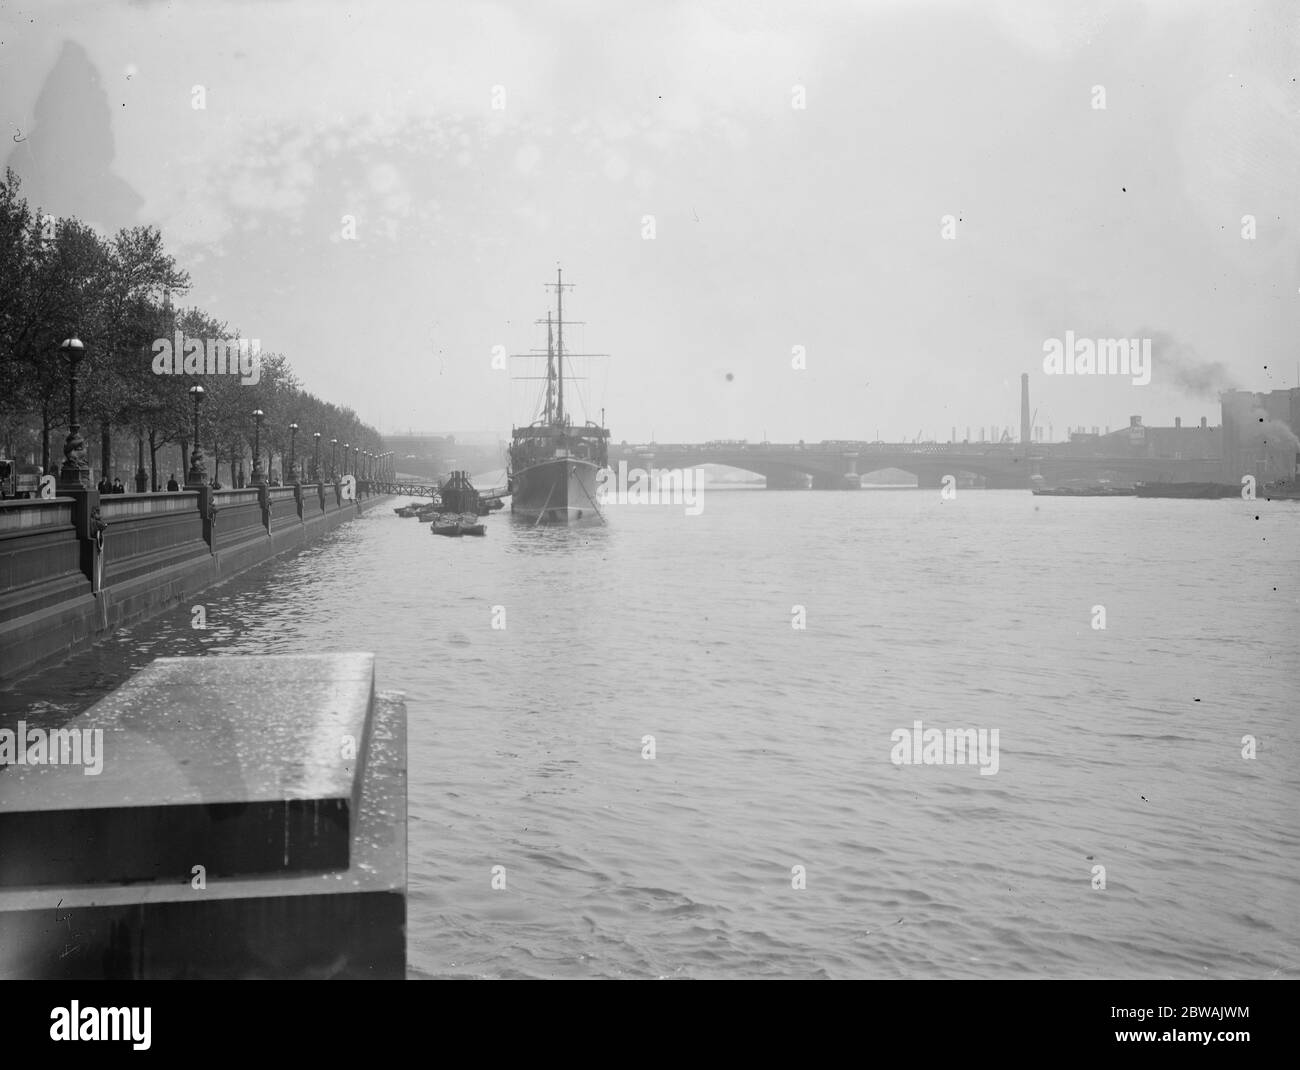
(775, 226)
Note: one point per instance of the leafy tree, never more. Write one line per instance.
(59, 279)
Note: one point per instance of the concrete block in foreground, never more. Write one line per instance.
(305, 846)
(242, 765)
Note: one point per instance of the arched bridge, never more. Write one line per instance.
(840, 465)
(835, 465)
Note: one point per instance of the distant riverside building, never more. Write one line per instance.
(1177, 443)
(436, 453)
(1261, 433)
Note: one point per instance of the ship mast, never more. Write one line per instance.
(560, 285)
(556, 416)
(550, 370)
(559, 303)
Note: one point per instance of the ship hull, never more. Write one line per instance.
(560, 491)
(1187, 490)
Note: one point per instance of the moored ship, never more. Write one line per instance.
(1187, 490)
(1096, 491)
(1281, 490)
(553, 461)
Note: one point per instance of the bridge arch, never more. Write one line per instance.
(835, 465)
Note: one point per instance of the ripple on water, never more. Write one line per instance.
(773, 744)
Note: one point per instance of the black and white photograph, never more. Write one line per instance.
(651, 491)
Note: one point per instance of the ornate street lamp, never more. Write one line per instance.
(346, 447)
(356, 460)
(75, 473)
(197, 475)
(141, 476)
(334, 468)
(258, 476)
(293, 455)
(315, 464)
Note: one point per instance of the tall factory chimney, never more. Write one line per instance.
(1024, 408)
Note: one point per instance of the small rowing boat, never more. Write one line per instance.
(454, 525)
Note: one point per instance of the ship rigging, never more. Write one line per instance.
(554, 463)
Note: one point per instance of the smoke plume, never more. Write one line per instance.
(1271, 436)
(1179, 366)
(1258, 432)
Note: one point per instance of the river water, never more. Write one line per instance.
(1119, 747)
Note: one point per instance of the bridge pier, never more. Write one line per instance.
(786, 480)
(844, 481)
